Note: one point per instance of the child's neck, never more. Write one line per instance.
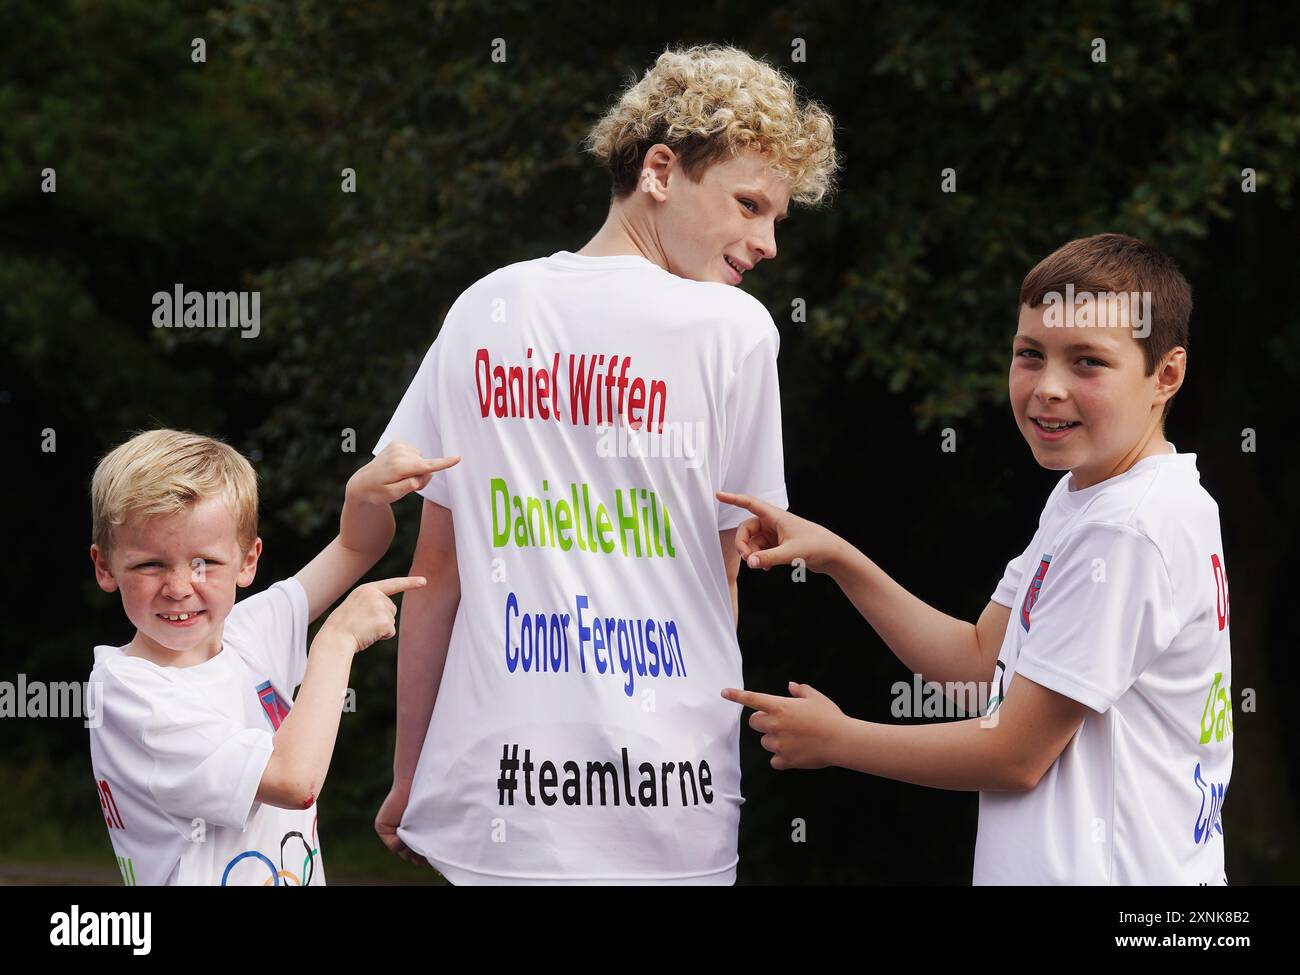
(1149, 446)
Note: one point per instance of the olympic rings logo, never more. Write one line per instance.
(283, 876)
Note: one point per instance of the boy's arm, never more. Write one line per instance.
(422, 645)
(425, 635)
(731, 560)
(1008, 751)
(931, 643)
(304, 742)
(366, 525)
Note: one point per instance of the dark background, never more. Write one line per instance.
(226, 175)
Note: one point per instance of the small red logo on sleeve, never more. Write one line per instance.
(1031, 594)
(276, 707)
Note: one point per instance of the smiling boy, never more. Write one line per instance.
(205, 772)
(558, 719)
(1106, 639)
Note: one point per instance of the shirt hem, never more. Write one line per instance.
(1062, 684)
(461, 875)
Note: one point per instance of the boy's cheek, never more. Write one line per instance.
(218, 600)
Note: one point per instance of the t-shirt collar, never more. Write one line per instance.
(610, 260)
(1172, 459)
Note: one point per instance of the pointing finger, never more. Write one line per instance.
(391, 586)
(752, 699)
(760, 508)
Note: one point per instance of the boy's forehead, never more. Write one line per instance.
(1107, 329)
(207, 522)
(754, 170)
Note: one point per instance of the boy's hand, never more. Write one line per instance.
(777, 537)
(390, 817)
(368, 614)
(801, 731)
(395, 472)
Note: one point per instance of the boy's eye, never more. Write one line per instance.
(750, 203)
(1092, 363)
(1029, 352)
(148, 565)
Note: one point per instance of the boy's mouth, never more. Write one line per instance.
(181, 619)
(1053, 429)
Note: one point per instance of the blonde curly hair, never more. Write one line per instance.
(707, 101)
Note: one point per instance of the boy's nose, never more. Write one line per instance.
(765, 244)
(1050, 386)
(177, 584)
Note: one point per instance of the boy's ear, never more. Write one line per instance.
(248, 569)
(1170, 374)
(655, 173)
(103, 570)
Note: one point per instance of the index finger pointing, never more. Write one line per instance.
(425, 465)
(391, 586)
(745, 501)
(752, 699)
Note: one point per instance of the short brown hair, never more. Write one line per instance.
(165, 471)
(1122, 264)
(708, 101)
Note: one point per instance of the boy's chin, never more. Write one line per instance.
(177, 640)
(1053, 460)
(168, 642)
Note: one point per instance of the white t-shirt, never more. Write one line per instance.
(1121, 603)
(579, 734)
(181, 751)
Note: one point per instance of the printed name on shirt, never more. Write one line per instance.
(1221, 607)
(599, 390)
(652, 790)
(1216, 717)
(641, 521)
(106, 801)
(72, 929)
(619, 647)
(1208, 821)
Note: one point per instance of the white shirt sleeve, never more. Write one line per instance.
(753, 459)
(195, 761)
(1104, 613)
(270, 631)
(416, 422)
(1012, 576)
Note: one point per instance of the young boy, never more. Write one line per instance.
(205, 773)
(1105, 749)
